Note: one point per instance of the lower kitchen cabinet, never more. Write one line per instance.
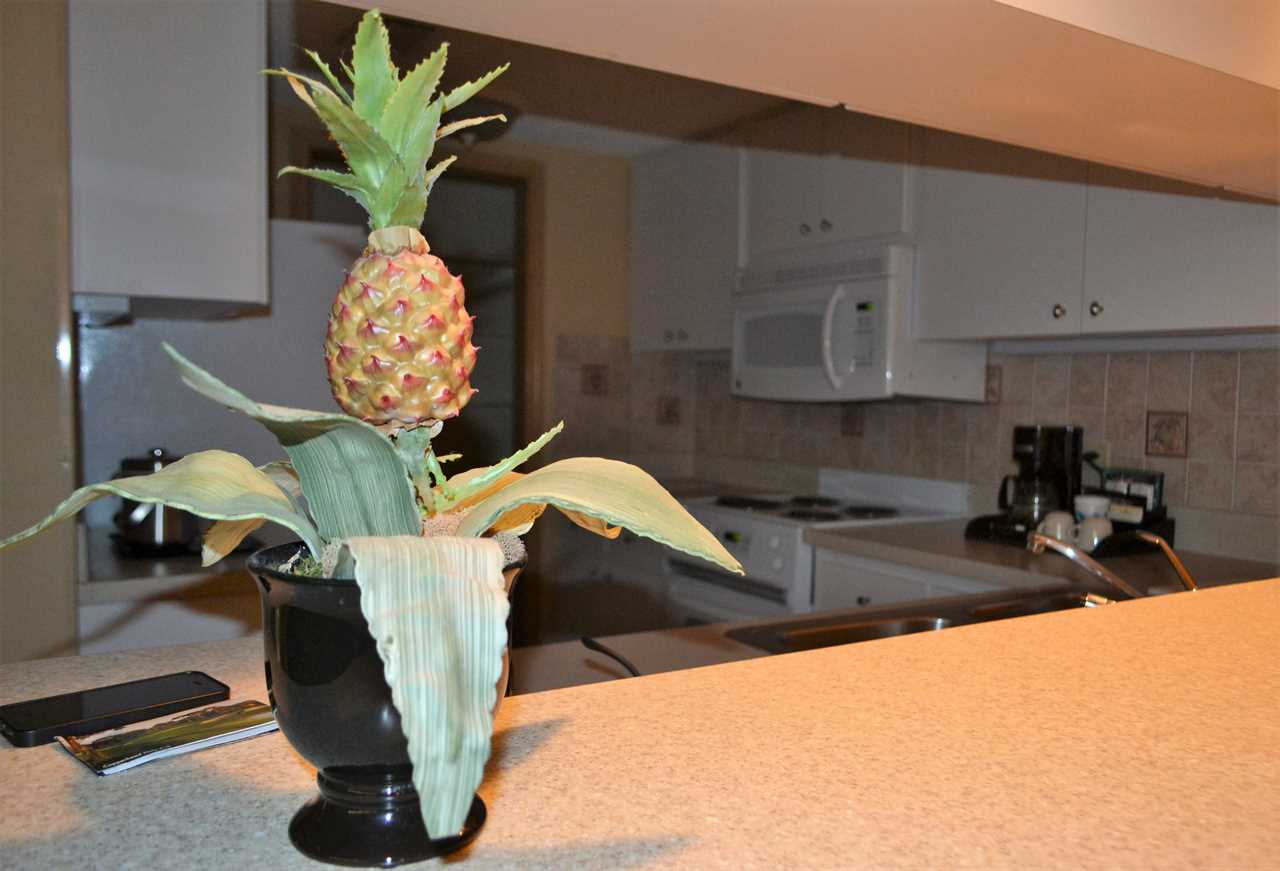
(842, 580)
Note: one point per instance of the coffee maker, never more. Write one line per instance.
(1048, 479)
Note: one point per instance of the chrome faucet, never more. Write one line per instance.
(1037, 542)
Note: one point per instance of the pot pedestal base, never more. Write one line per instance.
(369, 817)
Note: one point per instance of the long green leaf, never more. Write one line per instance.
(354, 481)
(343, 181)
(375, 76)
(437, 609)
(410, 102)
(213, 484)
(465, 484)
(435, 171)
(411, 208)
(367, 154)
(618, 493)
(454, 127)
(420, 138)
(462, 93)
(329, 76)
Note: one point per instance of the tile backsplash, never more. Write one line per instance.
(674, 413)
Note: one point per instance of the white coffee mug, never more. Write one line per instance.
(1057, 524)
(1091, 506)
(1089, 533)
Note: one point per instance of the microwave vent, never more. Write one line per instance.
(867, 266)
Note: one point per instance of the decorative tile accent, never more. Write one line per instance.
(595, 379)
(668, 411)
(1166, 434)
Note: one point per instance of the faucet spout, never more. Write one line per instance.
(1037, 542)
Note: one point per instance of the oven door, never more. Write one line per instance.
(697, 596)
(813, 343)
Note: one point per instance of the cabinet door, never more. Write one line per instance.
(780, 200)
(684, 247)
(169, 149)
(1167, 256)
(1000, 240)
(862, 188)
(843, 581)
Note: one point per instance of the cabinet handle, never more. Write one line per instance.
(682, 335)
(805, 229)
(863, 600)
(1058, 311)
(667, 335)
(824, 225)
(1095, 308)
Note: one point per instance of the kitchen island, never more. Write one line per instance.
(1138, 735)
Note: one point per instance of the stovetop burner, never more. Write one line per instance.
(869, 512)
(814, 501)
(812, 514)
(752, 503)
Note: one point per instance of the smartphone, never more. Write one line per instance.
(39, 721)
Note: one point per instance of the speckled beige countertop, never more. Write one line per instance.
(1139, 735)
(940, 546)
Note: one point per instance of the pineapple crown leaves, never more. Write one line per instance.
(386, 126)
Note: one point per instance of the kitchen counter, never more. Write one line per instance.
(940, 546)
(1138, 735)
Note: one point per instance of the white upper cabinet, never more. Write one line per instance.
(819, 176)
(169, 152)
(1161, 256)
(1000, 240)
(685, 229)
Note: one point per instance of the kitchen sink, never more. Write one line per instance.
(813, 637)
(889, 621)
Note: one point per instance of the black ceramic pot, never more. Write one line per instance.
(326, 686)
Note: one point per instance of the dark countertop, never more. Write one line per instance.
(940, 546)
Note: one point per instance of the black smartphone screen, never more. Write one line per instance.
(38, 721)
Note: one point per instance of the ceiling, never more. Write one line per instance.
(978, 67)
(547, 82)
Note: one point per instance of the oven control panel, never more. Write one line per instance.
(769, 554)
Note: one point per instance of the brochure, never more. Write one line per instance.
(121, 749)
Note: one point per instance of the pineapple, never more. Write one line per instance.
(398, 349)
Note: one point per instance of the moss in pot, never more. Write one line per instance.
(401, 573)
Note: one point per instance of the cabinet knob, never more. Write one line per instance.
(682, 335)
(668, 335)
(824, 225)
(1058, 311)
(805, 229)
(863, 600)
(1095, 308)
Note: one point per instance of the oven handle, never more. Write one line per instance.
(828, 318)
(747, 586)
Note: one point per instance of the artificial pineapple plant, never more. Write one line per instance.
(363, 489)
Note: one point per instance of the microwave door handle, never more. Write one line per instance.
(828, 318)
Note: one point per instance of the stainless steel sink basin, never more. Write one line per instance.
(811, 638)
(869, 624)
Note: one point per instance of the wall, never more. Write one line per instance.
(37, 442)
(1225, 492)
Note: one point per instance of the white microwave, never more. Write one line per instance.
(835, 326)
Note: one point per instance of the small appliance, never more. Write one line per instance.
(834, 324)
(1048, 480)
(149, 529)
(765, 532)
